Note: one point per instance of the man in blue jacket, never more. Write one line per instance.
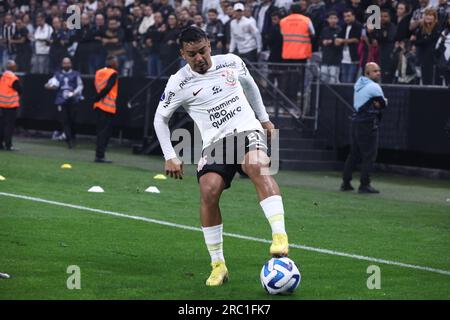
(70, 87)
(368, 102)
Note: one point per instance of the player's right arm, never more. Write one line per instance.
(169, 102)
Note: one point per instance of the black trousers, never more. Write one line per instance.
(364, 148)
(67, 115)
(7, 123)
(104, 131)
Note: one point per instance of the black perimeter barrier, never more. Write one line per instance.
(412, 131)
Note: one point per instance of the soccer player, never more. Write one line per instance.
(222, 98)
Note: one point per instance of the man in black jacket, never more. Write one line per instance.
(349, 39)
(331, 53)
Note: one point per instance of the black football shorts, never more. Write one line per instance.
(226, 155)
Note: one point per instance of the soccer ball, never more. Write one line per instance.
(280, 275)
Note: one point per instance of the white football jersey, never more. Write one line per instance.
(214, 100)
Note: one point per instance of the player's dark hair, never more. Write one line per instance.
(192, 34)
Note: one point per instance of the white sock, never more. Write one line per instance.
(274, 212)
(214, 242)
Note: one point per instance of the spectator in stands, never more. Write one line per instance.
(215, 32)
(263, 15)
(84, 37)
(275, 46)
(405, 63)
(245, 38)
(8, 31)
(386, 5)
(147, 21)
(224, 14)
(166, 10)
(349, 38)
(70, 87)
(211, 4)
(98, 54)
(402, 20)
(153, 45)
(331, 53)
(199, 22)
(417, 16)
(359, 10)
(184, 19)
(113, 43)
(227, 27)
(42, 36)
(59, 42)
(425, 39)
(385, 38)
(443, 11)
(316, 12)
(169, 50)
(22, 42)
(443, 53)
(337, 6)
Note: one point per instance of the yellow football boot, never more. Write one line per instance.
(219, 274)
(280, 245)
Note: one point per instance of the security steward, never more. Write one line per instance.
(106, 85)
(368, 102)
(70, 87)
(10, 89)
(297, 31)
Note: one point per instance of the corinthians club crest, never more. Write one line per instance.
(230, 79)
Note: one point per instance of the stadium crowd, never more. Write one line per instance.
(412, 46)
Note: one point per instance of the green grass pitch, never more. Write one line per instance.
(120, 258)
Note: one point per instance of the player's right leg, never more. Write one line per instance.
(211, 187)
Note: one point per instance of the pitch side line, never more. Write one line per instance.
(232, 235)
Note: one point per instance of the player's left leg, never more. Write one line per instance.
(255, 165)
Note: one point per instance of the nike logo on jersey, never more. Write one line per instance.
(196, 93)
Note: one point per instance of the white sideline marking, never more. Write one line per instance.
(233, 235)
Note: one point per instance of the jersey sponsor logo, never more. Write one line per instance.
(223, 105)
(230, 79)
(216, 89)
(197, 92)
(226, 65)
(185, 81)
(223, 116)
(167, 101)
(163, 96)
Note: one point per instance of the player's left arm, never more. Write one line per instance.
(253, 95)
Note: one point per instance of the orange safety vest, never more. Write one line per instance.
(9, 97)
(108, 102)
(296, 40)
